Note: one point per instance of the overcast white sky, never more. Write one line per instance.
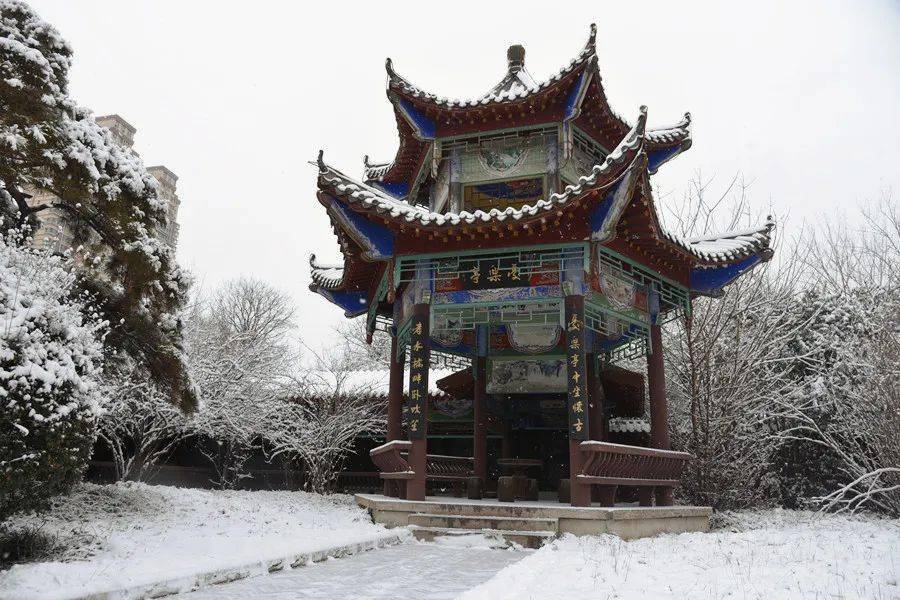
(235, 98)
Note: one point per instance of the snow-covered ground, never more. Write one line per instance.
(127, 535)
(770, 555)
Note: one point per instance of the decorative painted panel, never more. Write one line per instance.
(526, 375)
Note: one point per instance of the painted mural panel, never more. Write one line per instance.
(503, 194)
(526, 375)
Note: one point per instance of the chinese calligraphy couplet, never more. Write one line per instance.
(575, 367)
(419, 354)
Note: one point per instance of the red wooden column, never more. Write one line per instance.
(395, 403)
(595, 412)
(395, 393)
(656, 377)
(479, 427)
(578, 400)
(659, 412)
(417, 413)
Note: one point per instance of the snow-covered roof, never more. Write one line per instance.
(372, 383)
(629, 425)
(375, 171)
(517, 84)
(327, 276)
(730, 245)
(370, 197)
(673, 134)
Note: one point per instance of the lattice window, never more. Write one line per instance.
(459, 317)
(475, 142)
(631, 335)
(674, 300)
(585, 144)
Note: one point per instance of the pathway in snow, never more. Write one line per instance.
(411, 571)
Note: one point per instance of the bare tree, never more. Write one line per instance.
(139, 426)
(722, 361)
(243, 362)
(318, 425)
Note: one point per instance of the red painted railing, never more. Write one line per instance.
(389, 460)
(611, 465)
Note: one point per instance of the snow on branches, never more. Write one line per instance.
(48, 142)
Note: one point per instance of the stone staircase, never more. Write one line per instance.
(528, 532)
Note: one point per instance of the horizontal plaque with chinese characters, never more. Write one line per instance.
(575, 369)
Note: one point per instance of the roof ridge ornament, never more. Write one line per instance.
(515, 57)
(591, 43)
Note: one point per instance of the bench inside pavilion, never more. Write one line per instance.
(516, 235)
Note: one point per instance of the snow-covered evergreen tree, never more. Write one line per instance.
(49, 142)
(50, 358)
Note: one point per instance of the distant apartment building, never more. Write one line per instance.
(56, 229)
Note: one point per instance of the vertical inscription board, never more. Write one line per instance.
(576, 372)
(419, 354)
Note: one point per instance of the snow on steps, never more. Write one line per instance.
(483, 522)
(527, 532)
(506, 537)
(177, 585)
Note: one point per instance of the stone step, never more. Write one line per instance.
(484, 522)
(489, 508)
(526, 539)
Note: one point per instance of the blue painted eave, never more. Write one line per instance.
(376, 240)
(425, 127)
(711, 280)
(353, 303)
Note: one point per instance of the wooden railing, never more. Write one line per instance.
(611, 465)
(392, 462)
(448, 468)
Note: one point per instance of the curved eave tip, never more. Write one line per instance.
(641, 125)
(389, 67)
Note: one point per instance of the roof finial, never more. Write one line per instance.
(321, 162)
(515, 57)
(592, 38)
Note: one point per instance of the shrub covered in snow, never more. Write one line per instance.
(50, 355)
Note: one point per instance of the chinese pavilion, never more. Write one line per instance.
(518, 232)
